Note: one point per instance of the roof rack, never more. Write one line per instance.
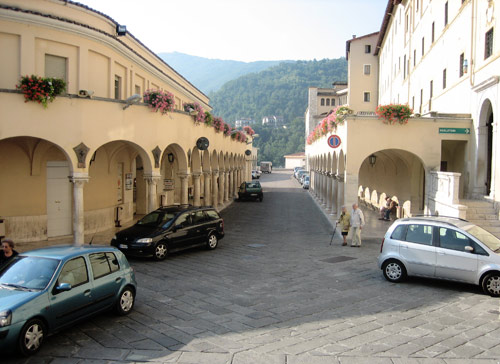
(448, 217)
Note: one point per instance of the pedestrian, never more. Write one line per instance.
(345, 221)
(7, 252)
(357, 223)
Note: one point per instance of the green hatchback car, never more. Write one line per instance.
(43, 291)
(250, 191)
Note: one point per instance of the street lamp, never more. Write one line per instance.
(372, 159)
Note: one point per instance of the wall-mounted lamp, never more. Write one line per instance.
(465, 66)
(132, 100)
(170, 157)
(92, 159)
(372, 159)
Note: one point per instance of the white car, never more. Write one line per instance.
(256, 174)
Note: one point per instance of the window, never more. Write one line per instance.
(56, 66)
(432, 32)
(138, 89)
(322, 102)
(367, 69)
(404, 67)
(444, 78)
(212, 214)
(184, 220)
(420, 234)
(118, 87)
(461, 66)
(103, 264)
(399, 232)
(414, 57)
(446, 13)
(423, 45)
(488, 43)
(368, 48)
(327, 102)
(366, 97)
(74, 272)
(333, 102)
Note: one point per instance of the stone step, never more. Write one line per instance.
(476, 203)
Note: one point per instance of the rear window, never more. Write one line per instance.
(420, 234)
(103, 264)
(212, 214)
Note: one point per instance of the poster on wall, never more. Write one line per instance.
(168, 185)
(120, 183)
(128, 181)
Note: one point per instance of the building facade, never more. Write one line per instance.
(442, 59)
(295, 160)
(85, 163)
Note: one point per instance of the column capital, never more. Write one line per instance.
(215, 171)
(183, 175)
(196, 175)
(153, 177)
(79, 178)
(207, 173)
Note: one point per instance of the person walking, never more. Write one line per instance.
(7, 252)
(345, 221)
(357, 223)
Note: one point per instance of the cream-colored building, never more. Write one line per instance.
(83, 163)
(442, 59)
(295, 160)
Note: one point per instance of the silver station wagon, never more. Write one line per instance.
(444, 248)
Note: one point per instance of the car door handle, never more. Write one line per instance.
(118, 280)
(87, 292)
(441, 253)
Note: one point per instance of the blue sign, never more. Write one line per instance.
(334, 141)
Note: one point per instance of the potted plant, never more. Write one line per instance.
(41, 89)
(394, 113)
(159, 100)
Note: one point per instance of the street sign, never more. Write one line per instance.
(334, 141)
(454, 130)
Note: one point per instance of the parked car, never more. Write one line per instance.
(444, 248)
(266, 167)
(295, 169)
(304, 175)
(300, 174)
(256, 174)
(305, 185)
(170, 229)
(296, 173)
(46, 290)
(250, 191)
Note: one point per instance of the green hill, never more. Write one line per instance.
(210, 74)
(281, 90)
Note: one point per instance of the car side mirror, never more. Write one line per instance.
(63, 287)
(469, 249)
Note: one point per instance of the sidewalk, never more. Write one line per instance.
(99, 238)
(374, 228)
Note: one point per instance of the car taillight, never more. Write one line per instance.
(382, 245)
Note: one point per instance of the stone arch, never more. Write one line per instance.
(206, 161)
(180, 157)
(196, 165)
(485, 164)
(214, 161)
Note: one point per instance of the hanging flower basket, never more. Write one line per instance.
(209, 120)
(249, 130)
(41, 89)
(159, 100)
(394, 113)
(195, 109)
(329, 124)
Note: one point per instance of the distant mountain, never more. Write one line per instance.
(210, 74)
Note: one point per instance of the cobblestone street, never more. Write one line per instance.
(275, 291)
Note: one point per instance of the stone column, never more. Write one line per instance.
(226, 186)
(221, 187)
(321, 188)
(197, 190)
(340, 192)
(335, 205)
(152, 180)
(207, 198)
(328, 189)
(78, 180)
(184, 188)
(215, 194)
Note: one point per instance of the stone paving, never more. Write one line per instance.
(276, 292)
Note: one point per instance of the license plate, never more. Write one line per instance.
(123, 246)
(253, 194)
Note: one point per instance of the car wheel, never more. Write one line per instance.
(212, 241)
(125, 302)
(161, 251)
(394, 271)
(31, 337)
(491, 284)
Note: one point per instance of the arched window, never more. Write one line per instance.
(333, 102)
(327, 102)
(322, 102)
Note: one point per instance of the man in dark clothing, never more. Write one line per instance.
(7, 252)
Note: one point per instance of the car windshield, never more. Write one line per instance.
(28, 273)
(253, 185)
(485, 237)
(156, 218)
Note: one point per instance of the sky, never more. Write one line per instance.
(246, 30)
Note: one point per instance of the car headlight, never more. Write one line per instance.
(145, 240)
(114, 237)
(5, 318)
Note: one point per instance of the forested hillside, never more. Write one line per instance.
(210, 74)
(280, 90)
